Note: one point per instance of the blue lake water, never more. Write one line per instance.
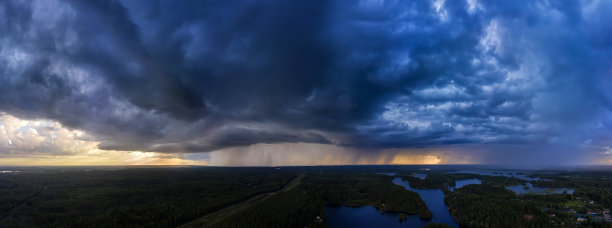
(421, 176)
(521, 176)
(388, 174)
(520, 189)
(461, 183)
(367, 216)
(434, 199)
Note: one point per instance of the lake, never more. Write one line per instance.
(461, 183)
(522, 176)
(367, 216)
(421, 176)
(388, 174)
(520, 189)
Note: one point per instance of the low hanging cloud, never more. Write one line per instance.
(301, 154)
(46, 142)
(201, 76)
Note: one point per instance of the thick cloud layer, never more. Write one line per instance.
(197, 76)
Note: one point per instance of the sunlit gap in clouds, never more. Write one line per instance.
(46, 142)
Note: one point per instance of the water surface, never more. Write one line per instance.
(434, 199)
(388, 174)
(520, 189)
(421, 176)
(367, 216)
(461, 183)
(519, 175)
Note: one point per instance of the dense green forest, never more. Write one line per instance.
(490, 206)
(295, 208)
(155, 197)
(287, 196)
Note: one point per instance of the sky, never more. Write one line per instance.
(302, 82)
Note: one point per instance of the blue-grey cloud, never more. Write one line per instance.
(191, 76)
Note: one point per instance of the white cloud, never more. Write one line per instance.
(492, 38)
(438, 5)
(474, 6)
(46, 142)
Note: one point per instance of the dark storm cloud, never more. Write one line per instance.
(177, 76)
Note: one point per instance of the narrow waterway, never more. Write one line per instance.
(434, 199)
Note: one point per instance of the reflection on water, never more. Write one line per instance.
(434, 199)
(461, 183)
(388, 174)
(421, 176)
(9, 171)
(519, 189)
(529, 189)
(522, 176)
(367, 216)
